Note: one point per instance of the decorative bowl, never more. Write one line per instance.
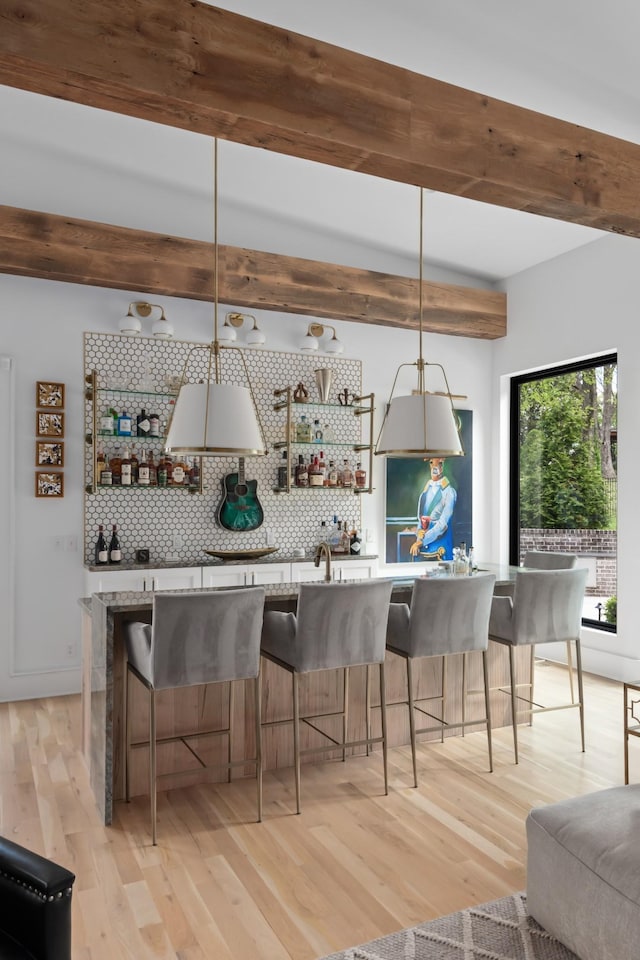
(242, 554)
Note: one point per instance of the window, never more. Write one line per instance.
(563, 473)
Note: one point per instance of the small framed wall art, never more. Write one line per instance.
(49, 394)
(49, 454)
(49, 484)
(49, 424)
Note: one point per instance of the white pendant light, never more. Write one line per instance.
(424, 423)
(211, 418)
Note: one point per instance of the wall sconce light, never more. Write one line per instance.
(233, 321)
(310, 342)
(139, 310)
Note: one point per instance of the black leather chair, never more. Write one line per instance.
(35, 911)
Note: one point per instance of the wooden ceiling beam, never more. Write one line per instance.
(194, 66)
(52, 247)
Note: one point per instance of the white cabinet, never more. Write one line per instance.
(340, 570)
(174, 578)
(112, 580)
(307, 572)
(354, 569)
(246, 575)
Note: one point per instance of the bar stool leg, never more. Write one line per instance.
(345, 711)
(383, 721)
(152, 765)
(296, 737)
(229, 720)
(127, 733)
(258, 711)
(485, 673)
(412, 720)
(580, 689)
(514, 721)
(464, 692)
(367, 695)
(531, 679)
(443, 698)
(570, 668)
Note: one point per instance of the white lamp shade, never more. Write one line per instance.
(232, 427)
(420, 425)
(309, 344)
(162, 329)
(334, 346)
(227, 334)
(130, 325)
(255, 337)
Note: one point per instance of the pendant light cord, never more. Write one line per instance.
(420, 358)
(216, 346)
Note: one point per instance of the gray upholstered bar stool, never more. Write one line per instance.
(447, 616)
(336, 626)
(195, 639)
(546, 607)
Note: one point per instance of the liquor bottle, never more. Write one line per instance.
(332, 474)
(315, 476)
(135, 465)
(143, 470)
(125, 468)
(109, 422)
(355, 545)
(101, 463)
(115, 464)
(143, 424)
(179, 474)
(302, 473)
(168, 463)
(303, 430)
(124, 424)
(101, 552)
(115, 553)
(347, 474)
(154, 425)
(282, 471)
(328, 433)
(322, 463)
(360, 477)
(317, 432)
(162, 473)
(345, 539)
(153, 471)
(194, 474)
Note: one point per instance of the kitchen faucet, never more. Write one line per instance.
(323, 547)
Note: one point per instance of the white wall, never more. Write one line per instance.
(42, 332)
(582, 304)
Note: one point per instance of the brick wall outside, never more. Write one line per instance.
(598, 544)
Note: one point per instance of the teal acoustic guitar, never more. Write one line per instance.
(239, 508)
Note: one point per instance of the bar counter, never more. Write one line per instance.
(193, 708)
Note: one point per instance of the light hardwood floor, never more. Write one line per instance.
(353, 866)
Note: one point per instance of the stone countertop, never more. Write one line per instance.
(121, 601)
(215, 562)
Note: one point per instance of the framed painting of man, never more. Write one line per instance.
(428, 503)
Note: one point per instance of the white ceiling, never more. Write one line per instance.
(574, 59)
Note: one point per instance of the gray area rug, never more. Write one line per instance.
(500, 930)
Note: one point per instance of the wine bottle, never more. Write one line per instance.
(101, 552)
(115, 553)
(125, 468)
